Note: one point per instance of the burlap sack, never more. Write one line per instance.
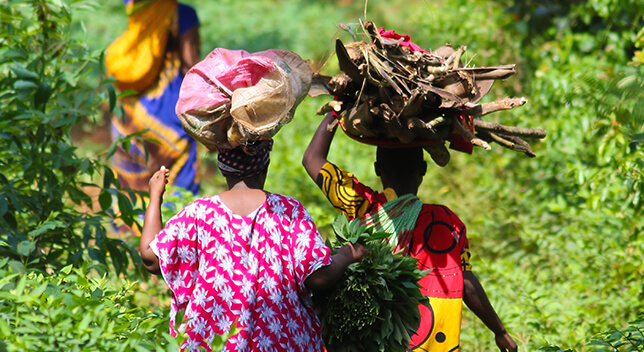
(233, 96)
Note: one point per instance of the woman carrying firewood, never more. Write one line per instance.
(438, 240)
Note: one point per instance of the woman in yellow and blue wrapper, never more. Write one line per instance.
(151, 57)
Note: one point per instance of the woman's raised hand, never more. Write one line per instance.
(158, 181)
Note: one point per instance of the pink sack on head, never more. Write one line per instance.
(233, 96)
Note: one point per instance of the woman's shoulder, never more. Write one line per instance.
(440, 211)
(207, 201)
(286, 206)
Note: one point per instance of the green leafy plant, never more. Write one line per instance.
(374, 306)
(78, 310)
(627, 340)
(47, 216)
(73, 311)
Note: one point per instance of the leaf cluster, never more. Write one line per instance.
(51, 211)
(374, 306)
(630, 339)
(626, 340)
(72, 311)
(77, 309)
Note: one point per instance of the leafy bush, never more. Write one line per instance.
(46, 213)
(627, 340)
(563, 224)
(70, 311)
(78, 310)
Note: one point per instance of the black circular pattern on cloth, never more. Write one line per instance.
(245, 161)
(424, 331)
(440, 337)
(432, 245)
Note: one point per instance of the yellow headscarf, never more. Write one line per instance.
(136, 57)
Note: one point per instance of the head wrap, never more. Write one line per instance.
(245, 161)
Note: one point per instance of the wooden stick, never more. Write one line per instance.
(426, 130)
(519, 147)
(455, 59)
(519, 141)
(439, 153)
(332, 125)
(494, 127)
(446, 96)
(333, 105)
(488, 108)
(376, 39)
(496, 74)
(338, 84)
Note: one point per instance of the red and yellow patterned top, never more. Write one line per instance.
(439, 242)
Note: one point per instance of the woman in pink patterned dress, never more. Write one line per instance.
(244, 255)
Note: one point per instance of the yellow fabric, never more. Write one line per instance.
(390, 194)
(135, 58)
(171, 149)
(132, 6)
(337, 186)
(445, 333)
(465, 259)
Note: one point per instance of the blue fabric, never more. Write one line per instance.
(187, 18)
(162, 107)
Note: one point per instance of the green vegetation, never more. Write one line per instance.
(556, 240)
(374, 306)
(76, 311)
(43, 180)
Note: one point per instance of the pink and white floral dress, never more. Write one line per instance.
(223, 267)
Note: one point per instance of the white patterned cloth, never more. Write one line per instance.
(223, 267)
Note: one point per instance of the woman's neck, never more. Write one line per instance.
(243, 199)
(249, 183)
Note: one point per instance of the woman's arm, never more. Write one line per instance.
(327, 276)
(477, 301)
(152, 222)
(316, 153)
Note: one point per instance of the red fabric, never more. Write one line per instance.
(392, 35)
(374, 198)
(457, 141)
(437, 243)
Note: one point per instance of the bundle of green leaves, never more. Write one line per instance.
(374, 306)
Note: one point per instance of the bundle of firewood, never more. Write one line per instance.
(389, 94)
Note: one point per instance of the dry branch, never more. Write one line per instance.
(510, 130)
(389, 93)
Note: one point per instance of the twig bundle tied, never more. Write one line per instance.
(393, 94)
(374, 306)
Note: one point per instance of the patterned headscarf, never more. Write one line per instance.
(245, 161)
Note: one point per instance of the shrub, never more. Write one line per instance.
(70, 311)
(45, 211)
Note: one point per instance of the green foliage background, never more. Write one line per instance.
(556, 240)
